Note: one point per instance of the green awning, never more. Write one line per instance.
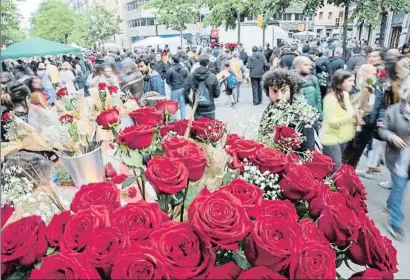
(36, 47)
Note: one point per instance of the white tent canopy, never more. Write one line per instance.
(172, 42)
(150, 41)
(306, 33)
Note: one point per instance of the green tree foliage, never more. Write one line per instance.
(79, 34)
(175, 14)
(225, 12)
(102, 24)
(53, 21)
(10, 20)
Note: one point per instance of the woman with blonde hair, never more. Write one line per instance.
(67, 77)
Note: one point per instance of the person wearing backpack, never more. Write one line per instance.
(205, 83)
(230, 83)
(240, 71)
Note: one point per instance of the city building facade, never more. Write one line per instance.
(329, 21)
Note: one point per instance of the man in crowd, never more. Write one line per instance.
(356, 60)
(257, 65)
(152, 80)
(52, 70)
(176, 77)
(336, 62)
(287, 58)
(242, 54)
(160, 66)
(203, 84)
(268, 51)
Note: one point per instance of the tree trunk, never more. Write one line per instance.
(263, 38)
(180, 34)
(360, 30)
(346, 16)
(383, 28)
(238, 17)
(369, 35)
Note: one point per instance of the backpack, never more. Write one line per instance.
(231, 81)
(205, 98)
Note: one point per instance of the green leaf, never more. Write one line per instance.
(123, 149)
(193, 192)
(37, 265)
(227, 178)
(50, 250)
(240, 259)
(135, 158)
(339, 277)
(72, 129)
(127, 182)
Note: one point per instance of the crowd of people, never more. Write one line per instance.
(362, 98)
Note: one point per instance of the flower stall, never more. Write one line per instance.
(190, 200)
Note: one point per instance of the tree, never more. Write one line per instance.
(10, 23)
(53, 21)
(79, 34)
(102, 24)
(175, 14)
(229, 13)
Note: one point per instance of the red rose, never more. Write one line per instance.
(6, 212)
(320, 166)
(219, 219)
(119, 179)
(287, 137)
(6, 116)
(382, 74)
(137, 137)
(349, 183)
(55, 229)
(191, 155)
(95, 194)
(109, 170)
(370, 248)
(268, 159)
(272, 242)
(314, 261)
(147, 116)
(175, 143)
(206, 129)
(132, 192)
(167, 175)
(185, 255)
(181, 126)
(24, 241)
(249, 195)
(139, 262)
(370, 273)
(61, 92)
(106, 245)
(66, 118)
(297, 182)
(283, 209)
(112, 89)
(65, 265)
(231, 139)
(108, 118)
(339, 224)
(260, 272)
(167, 106)
(325, 197)
(78, 232)
(102, 86)
(243, 148)
(139, 218)
(166, 129)
(293, 157)
(311, 233)
(228, 270)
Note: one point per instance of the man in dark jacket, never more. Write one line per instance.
(176, 77)
(257, 64)
(132, 78)
(356, 60)
(268, 52)
(152, 80)
(160, 66)
(205, 87)
(242, 54)
(336, 62)
(287, 59)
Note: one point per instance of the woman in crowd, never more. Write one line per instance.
(38, 97)
(67, 77)
(339, 117)
(240, 71)
(274, 58)
(46, 82)
(132, 78)
(396, 132)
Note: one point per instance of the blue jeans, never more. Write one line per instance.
(209, 115)
(335, 152)
(178, 95)
(394, 202)
(51, 95)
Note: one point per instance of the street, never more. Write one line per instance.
(245, 118)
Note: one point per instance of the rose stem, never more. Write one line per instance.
(138, 183)
(143, 183)
(181, 218)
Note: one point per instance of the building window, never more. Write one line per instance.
(320, 15)
(330, 15)
(141, 22)
(298, 16)
(287, 16)
(135, 4)
(341, 14)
